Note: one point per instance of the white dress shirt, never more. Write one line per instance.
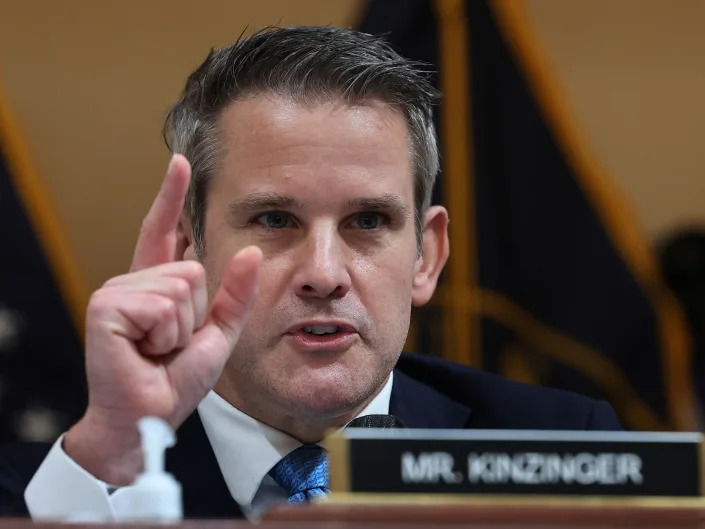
(245, 449)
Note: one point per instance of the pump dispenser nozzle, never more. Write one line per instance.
(155, 496)
(156, 437)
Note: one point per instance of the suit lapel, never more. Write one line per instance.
(421, 406)
(193, 463)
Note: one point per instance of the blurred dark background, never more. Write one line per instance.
(571, 136)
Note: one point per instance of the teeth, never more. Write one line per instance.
(321, 329)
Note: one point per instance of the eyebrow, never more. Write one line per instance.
(254, 202)
(387, 202)
(261, 201)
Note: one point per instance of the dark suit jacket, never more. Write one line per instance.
(427, 393)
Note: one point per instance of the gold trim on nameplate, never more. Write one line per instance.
(339, 462)
(509, 500)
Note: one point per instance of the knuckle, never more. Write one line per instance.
(99, 303)
(193, 272)
(181, 289)
(164, 307)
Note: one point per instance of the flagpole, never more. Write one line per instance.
(461, 325)
(611, 209)
(43, 216)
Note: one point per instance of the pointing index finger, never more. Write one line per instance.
(157, 240)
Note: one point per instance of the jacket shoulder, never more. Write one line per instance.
(18, 463)
(497, 402)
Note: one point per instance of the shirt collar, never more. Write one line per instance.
(246, 449)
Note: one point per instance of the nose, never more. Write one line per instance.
(322, 268)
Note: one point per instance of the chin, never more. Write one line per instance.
(337, 389)
(325, 399)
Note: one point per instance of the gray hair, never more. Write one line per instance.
(307, 64)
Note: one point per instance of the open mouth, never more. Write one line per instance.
(320, 330)
(323, 336)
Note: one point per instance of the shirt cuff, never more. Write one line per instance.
(62, 490)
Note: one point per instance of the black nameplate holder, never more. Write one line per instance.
(369, 460)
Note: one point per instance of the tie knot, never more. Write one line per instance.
(303, 473)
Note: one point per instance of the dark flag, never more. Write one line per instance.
(549, 281)
(42, 381)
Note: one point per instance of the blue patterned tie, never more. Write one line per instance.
(303, 473)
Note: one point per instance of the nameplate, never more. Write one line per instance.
(516, 462)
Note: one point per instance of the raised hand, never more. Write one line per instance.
(154, 346)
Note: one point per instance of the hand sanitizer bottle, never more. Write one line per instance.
(155, 496)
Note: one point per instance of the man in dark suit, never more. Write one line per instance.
(271, 288)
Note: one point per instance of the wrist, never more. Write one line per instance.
(111, 454)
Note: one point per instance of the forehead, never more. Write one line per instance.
(274, 141)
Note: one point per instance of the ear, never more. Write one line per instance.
(184, 240)
(435, 254)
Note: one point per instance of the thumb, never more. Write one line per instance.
(237, 293)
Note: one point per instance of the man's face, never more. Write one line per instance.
(326, 192)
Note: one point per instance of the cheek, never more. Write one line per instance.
(390, 272)
(221, 245)
(274, 278)
(268, 315)
(385, 286)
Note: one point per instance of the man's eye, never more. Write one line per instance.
(274, 220)
(368, 221)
